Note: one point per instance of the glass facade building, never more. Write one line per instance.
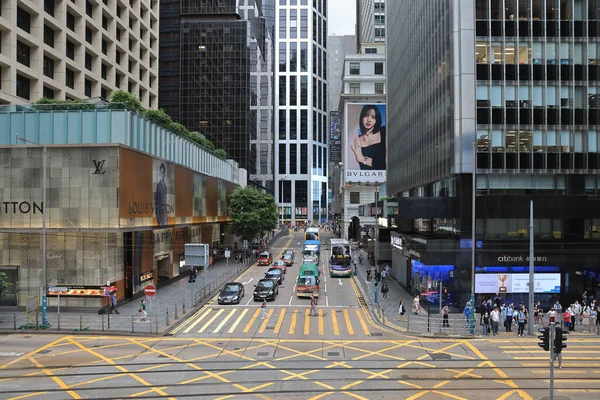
(507, 86)
(301, 128)
(209, 50)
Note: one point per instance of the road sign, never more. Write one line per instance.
(58, 289)
(245, 244)
(150, 290)
(227, 253)
(196, 255)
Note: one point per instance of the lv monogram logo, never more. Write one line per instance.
(99, 165)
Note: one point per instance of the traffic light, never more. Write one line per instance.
(559, 338)
(545, 338)
(192, 276)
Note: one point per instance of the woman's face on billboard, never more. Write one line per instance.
(369, 120)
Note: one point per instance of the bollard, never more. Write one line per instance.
(156, 323)
(15, 320)
(80, 322)
(102, 322)
(108, 317)
(168, 323)
(132, 323)
(58, 321)
(183, 308)
(382, 316)
(454, 327)
(176, 315)
(428, 323)
(37, 323)
(408, 323)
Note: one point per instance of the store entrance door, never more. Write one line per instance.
(10, 276)
(163, 269)
(129, 282)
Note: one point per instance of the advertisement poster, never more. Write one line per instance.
(163, 179)
(366, 143)
(335, 137)
(516, 283)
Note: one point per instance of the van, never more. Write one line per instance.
(307, 285)
(265, 258)
(309, 269)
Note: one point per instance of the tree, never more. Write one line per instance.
(221, 153)
(159, 116)
(122, 98)
(253, 212)
(4, 283)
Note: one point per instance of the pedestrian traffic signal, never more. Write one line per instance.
(545, 338)
(192, 276)
(559, 338)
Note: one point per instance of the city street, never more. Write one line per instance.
(340, 314)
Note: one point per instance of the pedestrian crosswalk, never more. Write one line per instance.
(286, 321)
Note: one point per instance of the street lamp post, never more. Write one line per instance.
(473, 190)
(281, 197)
(44, 288)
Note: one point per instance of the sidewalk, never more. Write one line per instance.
(170, 297)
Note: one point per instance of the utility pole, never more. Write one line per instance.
(530, 320)
(474, 189)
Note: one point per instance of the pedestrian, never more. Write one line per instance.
(572, 317)
(388, 269)
(510, 311)
(142, 310)
(536, 314)
(113, 303)
(467, 313)
(551, 316)
(368, 274)
(416, 305)
(445, 311)
(521, 319)
(585, 319)
(263, 307)
(485, 323)
(593, 316)
(313, 304)
(402, 311)
(383, 275)
(384, 290)
(495, 317)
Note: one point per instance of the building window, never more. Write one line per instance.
(118, 58)
(378, 68)
(304, 90)
(118, 80)
(23, 88)
(303, 158)
(48, 93)
(104, 93)
(49, 6)
(379, 88)
(49, 67)
(303, 126)
(282, 57)
(48, 36)
(104, 47)
(282, 91)
(23, 19)
(282, 158)
(23, 53)
(71, 21)
(282, 24)
(88, 61)
(104, 22)
(71, 50)
(355, 88)
(371, 50)
(354, 197)
(118, 33)
(89, 8)
(119, 11)
(88, 88)
(380, 19)
(88, 35)
(104, 71)
(304, 23)
(70, 78)
(354, 68)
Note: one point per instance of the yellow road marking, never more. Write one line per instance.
(197, 321)
(321, 327)
(31, 353)
(307, 322)
(237, 321)
(121, 368)
(27, 395)
(293, 323)
(55, 378)
(211, 320)
(222, 324)
(336, 328)
(279, 321)
(348, 324)
(263, 326)
(350, 394)
(362, 322)
(410, 384)
(251, 322)
(104, 378)
(348, 386)
(190, 319)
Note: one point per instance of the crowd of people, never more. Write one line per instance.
(494, 313)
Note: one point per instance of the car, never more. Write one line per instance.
(288, 259)
(281, 265)
(266, 289)
(265, 258)
(290, 252)
(276, 274)
(231, 293)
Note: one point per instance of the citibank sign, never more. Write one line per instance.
(397, 242)
(514, 259)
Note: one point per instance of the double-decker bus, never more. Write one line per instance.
(312, 234)
(340, 263)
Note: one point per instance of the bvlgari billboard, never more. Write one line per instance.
(366, 143)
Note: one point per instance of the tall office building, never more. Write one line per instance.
(515, 84)
(77, 50)
(301, 110)
(370, 21)
(209, 51)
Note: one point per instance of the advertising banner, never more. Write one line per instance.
(366, 143)
(335, 137)
(516, 283)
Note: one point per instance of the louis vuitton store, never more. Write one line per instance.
(113, 214)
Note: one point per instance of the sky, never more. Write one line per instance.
(341, 17)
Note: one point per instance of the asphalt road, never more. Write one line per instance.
(339, 312)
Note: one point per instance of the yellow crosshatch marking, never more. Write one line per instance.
(237, 321)
(249, 324)
(211, 320)
(293, 323)
(336, 328)
(307, 322)
(348, 324)
(218, 328)
(279, 321)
